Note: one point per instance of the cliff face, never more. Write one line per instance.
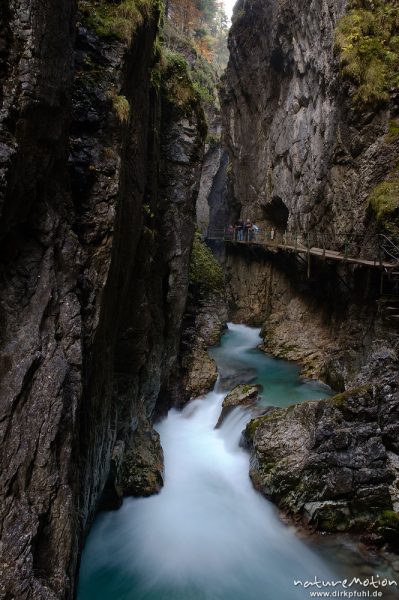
(304, 157)
(99, 171)
(334, 463)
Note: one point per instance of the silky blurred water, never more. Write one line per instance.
(208, 535)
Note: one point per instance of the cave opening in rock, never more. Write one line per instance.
(277, 212)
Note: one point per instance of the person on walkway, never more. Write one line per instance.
(254, 232)
(247, 230)
(239, 227)
(272, 234)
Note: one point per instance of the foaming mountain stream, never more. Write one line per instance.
(209, 535)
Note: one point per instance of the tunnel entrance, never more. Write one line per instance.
(277, 212)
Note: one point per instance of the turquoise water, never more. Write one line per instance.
(279, 379)
(209, 535)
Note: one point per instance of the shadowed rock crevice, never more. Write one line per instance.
(95, 245)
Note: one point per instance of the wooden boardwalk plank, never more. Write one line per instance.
(319, 252)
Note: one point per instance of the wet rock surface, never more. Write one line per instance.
(241, 395)
(332, 462)
(303, 158)
(203, 326)
(95, 239)
(142, 472)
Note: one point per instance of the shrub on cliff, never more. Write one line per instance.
(367, 39)
(178, 88)
(205, 271)
(384, 203)
(119, 20)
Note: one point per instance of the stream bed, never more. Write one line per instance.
(209, 535)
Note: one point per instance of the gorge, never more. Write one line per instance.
(116, 158)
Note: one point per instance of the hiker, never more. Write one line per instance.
(247, 230)
(230, 232)
(239, 227)
(254, 232)
(272, 234)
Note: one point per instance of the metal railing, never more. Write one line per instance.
(378, 249)
(389, 246)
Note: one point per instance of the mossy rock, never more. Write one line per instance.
(116, 20)
(241, 395)
(254, 424)
(340, 400)
(393, 131)
(178, 89)
(387, 525)
(384, 203)
(368, 45)
(205, 271)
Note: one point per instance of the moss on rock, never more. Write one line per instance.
(384, 203)
(367, 39)
(387, 525)
(117, 20)
(205, 271)
(339, 400)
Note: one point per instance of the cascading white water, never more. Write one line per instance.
(208, 534)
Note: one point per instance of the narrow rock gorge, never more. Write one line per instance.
(128, 154)
(314, 152)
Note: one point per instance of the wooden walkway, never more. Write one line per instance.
(319, 252)
(387, 253)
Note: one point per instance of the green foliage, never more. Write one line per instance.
(147, 211)
(213, 140)
(117, 20)
(384, 203)
(176, 80)
(200, 70)
(367, 39)
(393, 131)
(205, 271)
(122, 108)
(178, 89)
(205, 24)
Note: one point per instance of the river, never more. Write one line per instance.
(209, 535)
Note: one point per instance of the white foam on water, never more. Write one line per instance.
(208, 529)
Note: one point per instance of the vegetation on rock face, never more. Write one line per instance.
(113, 19)
(122, 108)
(204, 23)
(367, 39)
(178, 88)
(384, 203)
(205, 271)
(387, 525)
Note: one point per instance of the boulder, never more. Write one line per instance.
(332, 462)
(241, 395)
(142, 470)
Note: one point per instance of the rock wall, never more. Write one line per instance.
(334, 463)
(97, 213)
(326, 322)
(302, 155)
(304, 158)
